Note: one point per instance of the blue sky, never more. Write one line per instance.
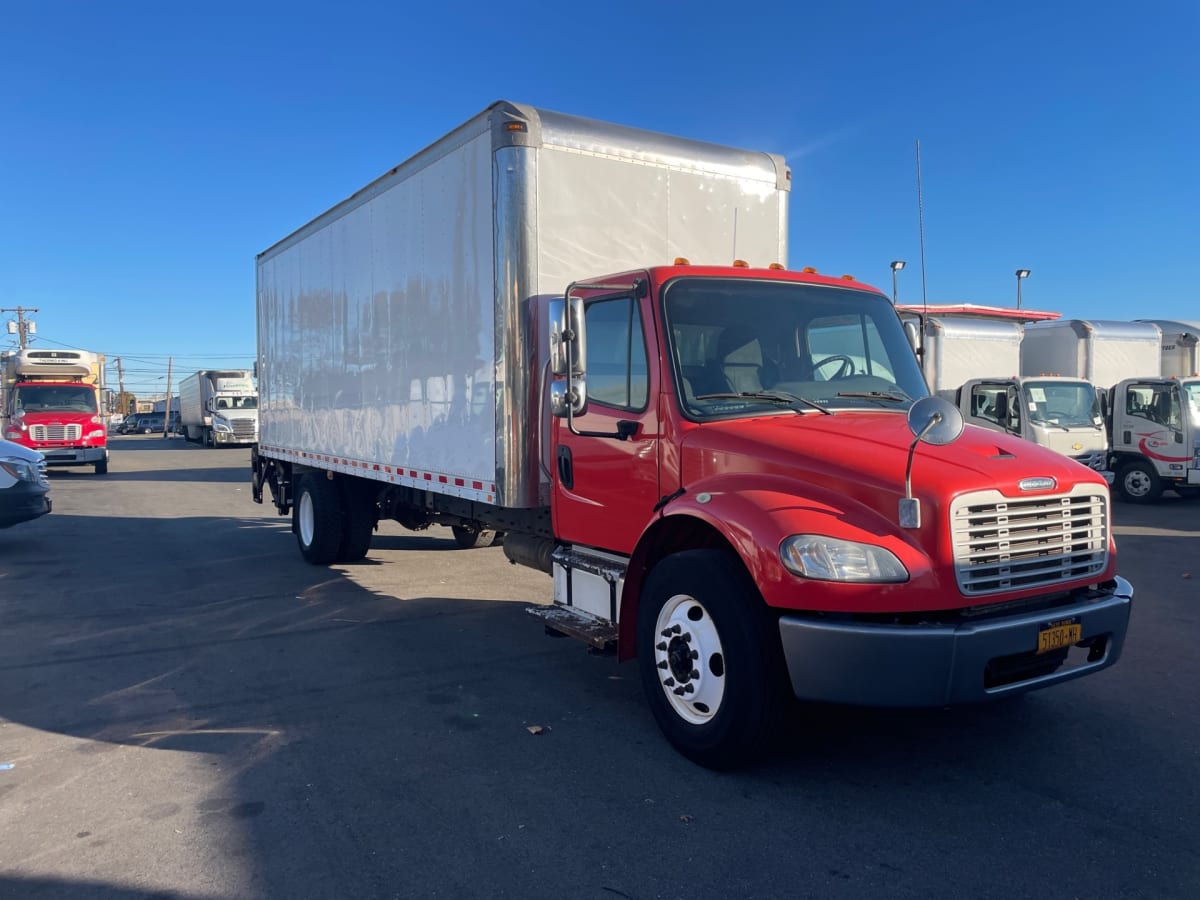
(149, 150)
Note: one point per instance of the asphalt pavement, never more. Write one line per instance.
(189, 710)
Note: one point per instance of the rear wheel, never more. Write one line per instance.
(317, 519)
(361, 515)
(710, 661)
(1138, 482)
(471, 538)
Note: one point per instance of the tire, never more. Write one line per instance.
(358, 523)
(470, 538)
(699, 608)
(1138, 482)
(317, 519)
(102, 467)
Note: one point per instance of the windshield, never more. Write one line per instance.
(55, 398)
(747, 347)
(1068, 405)
(1192, 392)
(237, 403)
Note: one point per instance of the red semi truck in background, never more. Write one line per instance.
(734, 474)
(52, 404)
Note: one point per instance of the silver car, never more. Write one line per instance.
(24, 487)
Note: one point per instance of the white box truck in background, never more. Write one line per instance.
(219, 407)
(975, 363)
(1153, 421)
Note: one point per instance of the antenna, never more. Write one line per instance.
(921, 228)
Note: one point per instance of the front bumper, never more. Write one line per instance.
(74, 456)
(225, 437)
(942, 665)
(23, 501)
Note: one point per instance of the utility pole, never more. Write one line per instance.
(167, 403)
(21, 328)
(124, 401)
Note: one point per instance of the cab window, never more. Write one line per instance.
(617, 364)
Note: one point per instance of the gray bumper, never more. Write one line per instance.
(944, 665)
(75, 456)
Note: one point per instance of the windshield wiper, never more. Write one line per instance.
(774, 396)
(896, 396)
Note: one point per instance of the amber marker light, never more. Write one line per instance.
(777, 267)
(740, 264)
(682, 261)
(810, 270)
(515, 126)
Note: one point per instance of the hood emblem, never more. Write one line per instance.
(1043, 483)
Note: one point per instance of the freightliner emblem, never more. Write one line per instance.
(1037, 484)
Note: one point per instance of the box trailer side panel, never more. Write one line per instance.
(958, 350)
(1180, 347)
(1103, 352)
(395, 331)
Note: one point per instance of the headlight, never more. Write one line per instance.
(220, 426)
(20, 469)
(830, 559)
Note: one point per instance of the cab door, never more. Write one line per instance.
(605, 488)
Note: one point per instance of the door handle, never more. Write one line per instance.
(566, 471)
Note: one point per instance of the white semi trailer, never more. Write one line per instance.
(219, 406)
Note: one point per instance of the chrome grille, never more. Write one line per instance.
(55, 432)
(1007, 544)
(245, 428)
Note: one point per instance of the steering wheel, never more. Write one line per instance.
(845, 370)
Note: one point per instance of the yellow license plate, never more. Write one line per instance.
(1055, 637)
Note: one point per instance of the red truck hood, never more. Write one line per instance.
(863, 454)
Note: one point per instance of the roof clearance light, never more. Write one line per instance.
(776, 267)
(847, 278)
(682, 261)
(809, 270)
(515, 126)
(740, 264)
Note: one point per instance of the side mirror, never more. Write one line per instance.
(568, 341)
(934, 421)
(568, 398)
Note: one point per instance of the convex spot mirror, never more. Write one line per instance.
(935, 421)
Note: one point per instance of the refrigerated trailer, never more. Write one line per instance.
(585, 336)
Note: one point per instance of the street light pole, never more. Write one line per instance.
(1022, 274)
(897, 265)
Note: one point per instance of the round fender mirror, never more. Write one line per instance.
(935, 421)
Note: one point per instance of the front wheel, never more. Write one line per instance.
(710, 661)
(317, 519)
(102, 467)
(1139, 483)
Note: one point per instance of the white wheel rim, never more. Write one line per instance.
(1137, 483)
(306, 519)
(685, 635)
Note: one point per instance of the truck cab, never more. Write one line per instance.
(1061, 413)
(1154, 425)
(52, 405)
